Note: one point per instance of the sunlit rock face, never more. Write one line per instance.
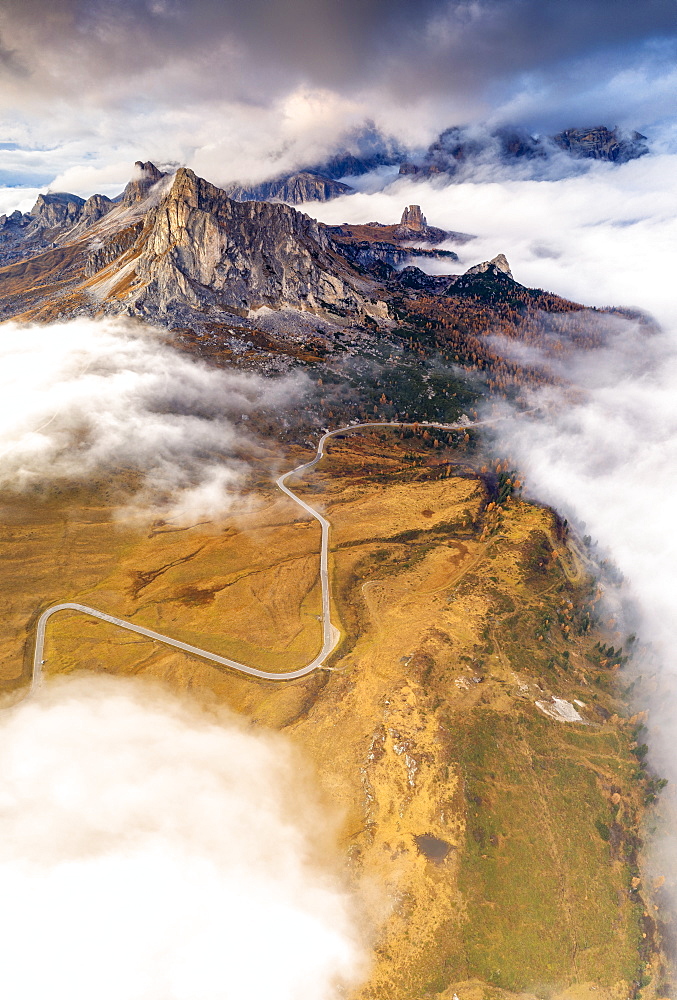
(199, 247)
(414, 218)
(170, 248)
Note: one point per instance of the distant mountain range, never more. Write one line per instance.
(456, 150)
(456, 147)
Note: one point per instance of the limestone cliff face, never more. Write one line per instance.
(200, 250)
(413, 218)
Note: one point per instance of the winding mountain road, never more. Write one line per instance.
(330, 633)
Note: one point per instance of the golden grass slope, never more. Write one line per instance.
(493, 848)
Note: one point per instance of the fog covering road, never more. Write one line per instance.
(330, 633)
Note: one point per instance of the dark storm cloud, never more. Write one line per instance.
(245, 49)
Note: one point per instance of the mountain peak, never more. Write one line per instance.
(414, 226)
(413, 218)
(184, 186)
(497, 263)
(198, 252)
(602, 143)
(144, 177)
(57, 208)
(148, 170)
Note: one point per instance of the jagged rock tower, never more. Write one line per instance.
(413, 218)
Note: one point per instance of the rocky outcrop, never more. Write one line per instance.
(601, 143)
(145, 177)
(295, 189)
(24, 235)
(498, 263)
(413, 219)
(14, 241)
(492, 280)
(414, 226)
(95, 208)
(200, 250)
(52, 210)
(14, 220)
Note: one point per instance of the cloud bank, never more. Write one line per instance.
(83, 399)
(245, 91)
(605, 237)
(150, 852)
(448, 45)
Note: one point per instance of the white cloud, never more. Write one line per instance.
(21, 198)
(80, 398)
(606, 237)
(151, 852)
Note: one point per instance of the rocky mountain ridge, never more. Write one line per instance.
(59, 217)
(201, 249)
(178, 251)
(173, 248)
